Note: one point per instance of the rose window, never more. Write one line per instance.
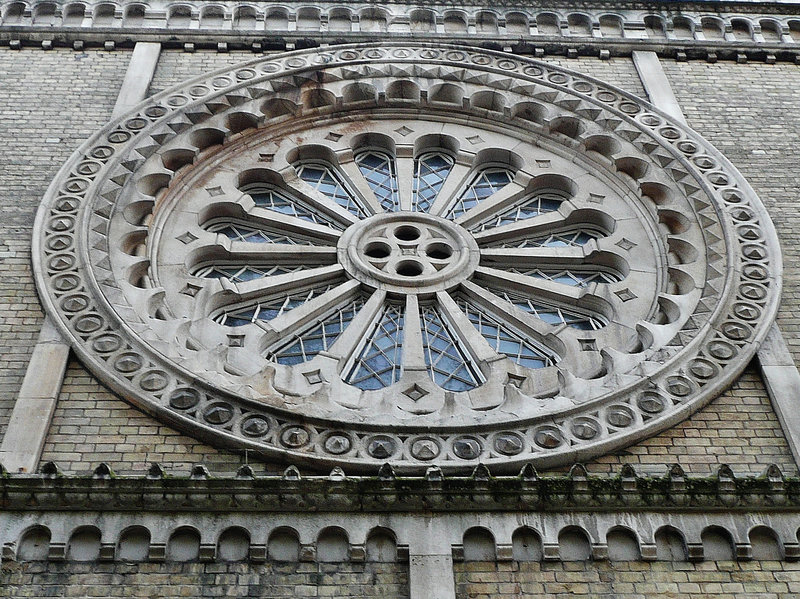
(398, 266)
(378, 255)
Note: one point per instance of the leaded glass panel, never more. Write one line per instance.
(327, 182)
(485, 184)
(379, 171)
(269, 309)
(449, 365)
(504, 340)
(574, 278)
(270, 199)
(319, 338)
(240, 274)
(551, 314)
(574, 238)
(249, 234)
(430, 172)
(380, 362)
(538, 204)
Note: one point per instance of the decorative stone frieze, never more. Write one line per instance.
(433, 491)
(256, 518)
(695, 28)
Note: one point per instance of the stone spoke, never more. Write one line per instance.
(413, 354)
(352, 338)
(291, 224)
(266, 253)
(469, 336)
(535, 287)
(491, 206)
(538, 226)
(320, 200)
(454, 184)
(258, 289)
(505, 311)
(285, 326)
(355, 180)
(405, 182)
(535, 257)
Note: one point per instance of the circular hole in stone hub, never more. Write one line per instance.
(377, 249)
(409, 268)
(407, 233)
(439, 251)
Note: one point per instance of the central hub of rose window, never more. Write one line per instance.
(408, 252)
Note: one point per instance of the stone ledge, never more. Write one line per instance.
(433, 492)
(17, 37)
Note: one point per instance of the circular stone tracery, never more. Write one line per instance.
(599, 271)
(408, 252)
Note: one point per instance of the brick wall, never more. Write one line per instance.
(176, 66)
(92, 425)
(181, 580)
(616, 71)
(51, 101)
(474, 580)
(750, 112)
(627, 580)
(739, 428)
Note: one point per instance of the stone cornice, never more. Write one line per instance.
(387, 493)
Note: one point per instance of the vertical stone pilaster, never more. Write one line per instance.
(430, 571)
(656, 84)
(138, 76)
(783, 386)
(431, 576)
(30, 419)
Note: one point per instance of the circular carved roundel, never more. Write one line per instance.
(416, 255)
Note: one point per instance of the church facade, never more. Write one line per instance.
(399, 300)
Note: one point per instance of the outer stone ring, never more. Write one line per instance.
(348, 257)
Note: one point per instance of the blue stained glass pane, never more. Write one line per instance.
(269, 309)
(316, 345)
(566, 280)
(249, 275)
(239, 274)
(271, 199)
(482, 186)
(249, 234)
(234, 321)
(430, 172)
(329, 184)
(380, 362)
(318, 338)
(450, 367)
(571, 238)
(504, 340)
(529, 208)
(574, 278)
(379, 172)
